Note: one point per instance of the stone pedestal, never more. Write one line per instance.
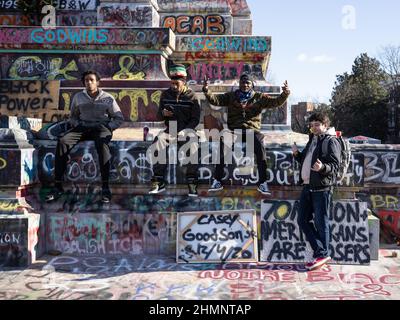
(19, 226)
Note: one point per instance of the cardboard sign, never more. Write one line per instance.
(29, 98)
(282, 240)
(217, 236)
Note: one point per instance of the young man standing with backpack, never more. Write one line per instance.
(319, 165)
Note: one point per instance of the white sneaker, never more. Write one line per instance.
(215, 186)
(263, 188)
(157, 187)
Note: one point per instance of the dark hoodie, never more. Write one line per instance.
(326, 177)
(185, 107)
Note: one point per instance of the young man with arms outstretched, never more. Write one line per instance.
(245, 106)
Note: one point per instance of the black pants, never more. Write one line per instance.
(161, 144)
(259, 151)
(101, 136)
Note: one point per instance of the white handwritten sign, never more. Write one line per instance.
(217, 236)
(282, 240)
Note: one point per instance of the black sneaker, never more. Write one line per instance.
(54, 194)
(192, 190)
(106, 195)
(157, 187)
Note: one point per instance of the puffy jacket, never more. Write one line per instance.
(185, 107)
(251, 117)
(326, 177)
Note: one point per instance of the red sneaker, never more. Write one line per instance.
(318, 262)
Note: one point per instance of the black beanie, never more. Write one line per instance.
(247, 77)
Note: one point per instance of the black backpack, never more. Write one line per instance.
(345, 156)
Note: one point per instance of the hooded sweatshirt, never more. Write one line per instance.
(90, 112)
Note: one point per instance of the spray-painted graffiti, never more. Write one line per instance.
(132, 15)
(29, 173)
(382, 167)
(224, 71)
(70, 67)
(135, 104)
(273, 282)
(80, 5)
(239, 7)
(19, 167)
(20, 122)
(130, 277)
(85, 19)
(130, 165)
(8, 4)
(28, 98)
(227, 44)
(17, 20)
(391, 220)
(209, 24)
(385, 207)
(84, 38)
(69, 35)
(242, 26)
(111, 234)
(10, 206)
(284, 242)
(13, 242)
(275, 116)
(214, 6)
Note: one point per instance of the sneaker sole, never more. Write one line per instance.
(54, 198)
(264, 193)
(213, 190)
(156, 192)
(318, 265)
(193, 195)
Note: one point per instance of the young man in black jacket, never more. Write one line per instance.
(180, 110)
(318, 170)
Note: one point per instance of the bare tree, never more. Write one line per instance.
(389, 57)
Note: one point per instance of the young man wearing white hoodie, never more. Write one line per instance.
(94, 116)
(318, 170)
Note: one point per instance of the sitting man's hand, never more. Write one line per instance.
(167, 113)
(294, 148)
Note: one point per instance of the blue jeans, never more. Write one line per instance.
(315, 206)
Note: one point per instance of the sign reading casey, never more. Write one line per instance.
(217, 236)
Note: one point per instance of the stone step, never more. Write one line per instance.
(130, 165)
(150, 227)
(146, 224)
(21, 239)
